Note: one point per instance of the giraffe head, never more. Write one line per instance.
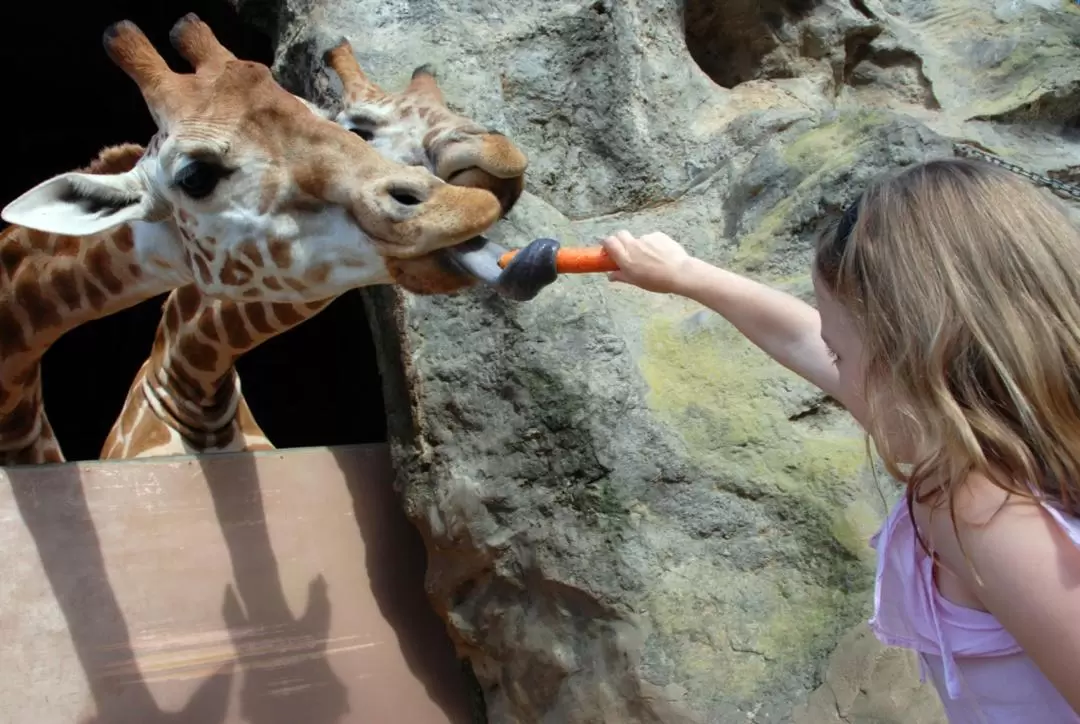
(259, 197)
(416, 127)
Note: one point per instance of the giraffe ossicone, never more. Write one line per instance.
(248, 194)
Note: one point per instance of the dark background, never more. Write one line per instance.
(63, 100)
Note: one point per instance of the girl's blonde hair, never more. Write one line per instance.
(964, 283)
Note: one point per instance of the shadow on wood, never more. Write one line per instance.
(265, 588)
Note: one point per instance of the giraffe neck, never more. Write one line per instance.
(187, 398)
(26, 436)
(50, 284)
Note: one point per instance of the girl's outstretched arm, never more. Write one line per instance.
(783, 326)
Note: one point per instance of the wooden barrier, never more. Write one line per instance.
(281, 587)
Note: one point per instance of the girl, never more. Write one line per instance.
(948, 325)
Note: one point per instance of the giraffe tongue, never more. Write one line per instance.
(528, 272)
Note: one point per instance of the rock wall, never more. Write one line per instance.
(631, 514)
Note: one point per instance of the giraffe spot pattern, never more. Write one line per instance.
(28, 376)
(319, 273)
(99, 264)
(236, 333)
(124, 239)
(249, 249)
(67, 288)
(95, 296)
(20, 419)
(281, 253)
(201, 356)
(206, 324)
(286, 313)
(235, 273)
(256, 315)
(204, 269)
(12, 336)
(40, 310)
(188, 298)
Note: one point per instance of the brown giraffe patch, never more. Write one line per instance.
(67, 246)
(201, 356)
(67, 288)
(19, 420)
(135, 271)
(188, 299)
(272, 283)
(236, 333)
(40, 309)
(207, 325)
(12, 256)
(124, 239)
(28, 376)
(251, 250)
(281, 253)
(171, 321)
(250, 293)
(204, 269)
(318, 304)
(95, 296)
(286, 313)
(295, 284)
(99, 264)
(319, 273)
(256, 314)
(235, 273)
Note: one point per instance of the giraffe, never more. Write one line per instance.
(243, 192)
(186, 397)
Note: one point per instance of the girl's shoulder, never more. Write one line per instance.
(1019, 559)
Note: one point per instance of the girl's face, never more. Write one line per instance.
(841, 336)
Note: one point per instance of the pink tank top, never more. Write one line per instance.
(980, 672)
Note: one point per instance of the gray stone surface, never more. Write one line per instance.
(631, 514)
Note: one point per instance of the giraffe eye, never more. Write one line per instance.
(199, 178)
(365, 133)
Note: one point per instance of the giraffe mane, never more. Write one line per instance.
(115, 159)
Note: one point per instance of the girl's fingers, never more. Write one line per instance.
(615, 249)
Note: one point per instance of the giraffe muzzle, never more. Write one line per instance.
(523, 278)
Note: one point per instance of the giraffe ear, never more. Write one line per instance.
(80, 204)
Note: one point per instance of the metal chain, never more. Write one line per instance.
(1070, 192)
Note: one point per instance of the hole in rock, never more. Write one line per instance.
(742, 40)
(317, 384)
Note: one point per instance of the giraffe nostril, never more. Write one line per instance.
(404, 197)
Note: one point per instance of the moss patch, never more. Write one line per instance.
(736, 634)
(818, 153)
(724, 397)
(721, 394)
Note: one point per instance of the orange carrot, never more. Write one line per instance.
(576, 260)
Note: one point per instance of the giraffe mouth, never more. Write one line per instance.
(525, 276)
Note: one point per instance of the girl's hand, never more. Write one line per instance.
(654, 262)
